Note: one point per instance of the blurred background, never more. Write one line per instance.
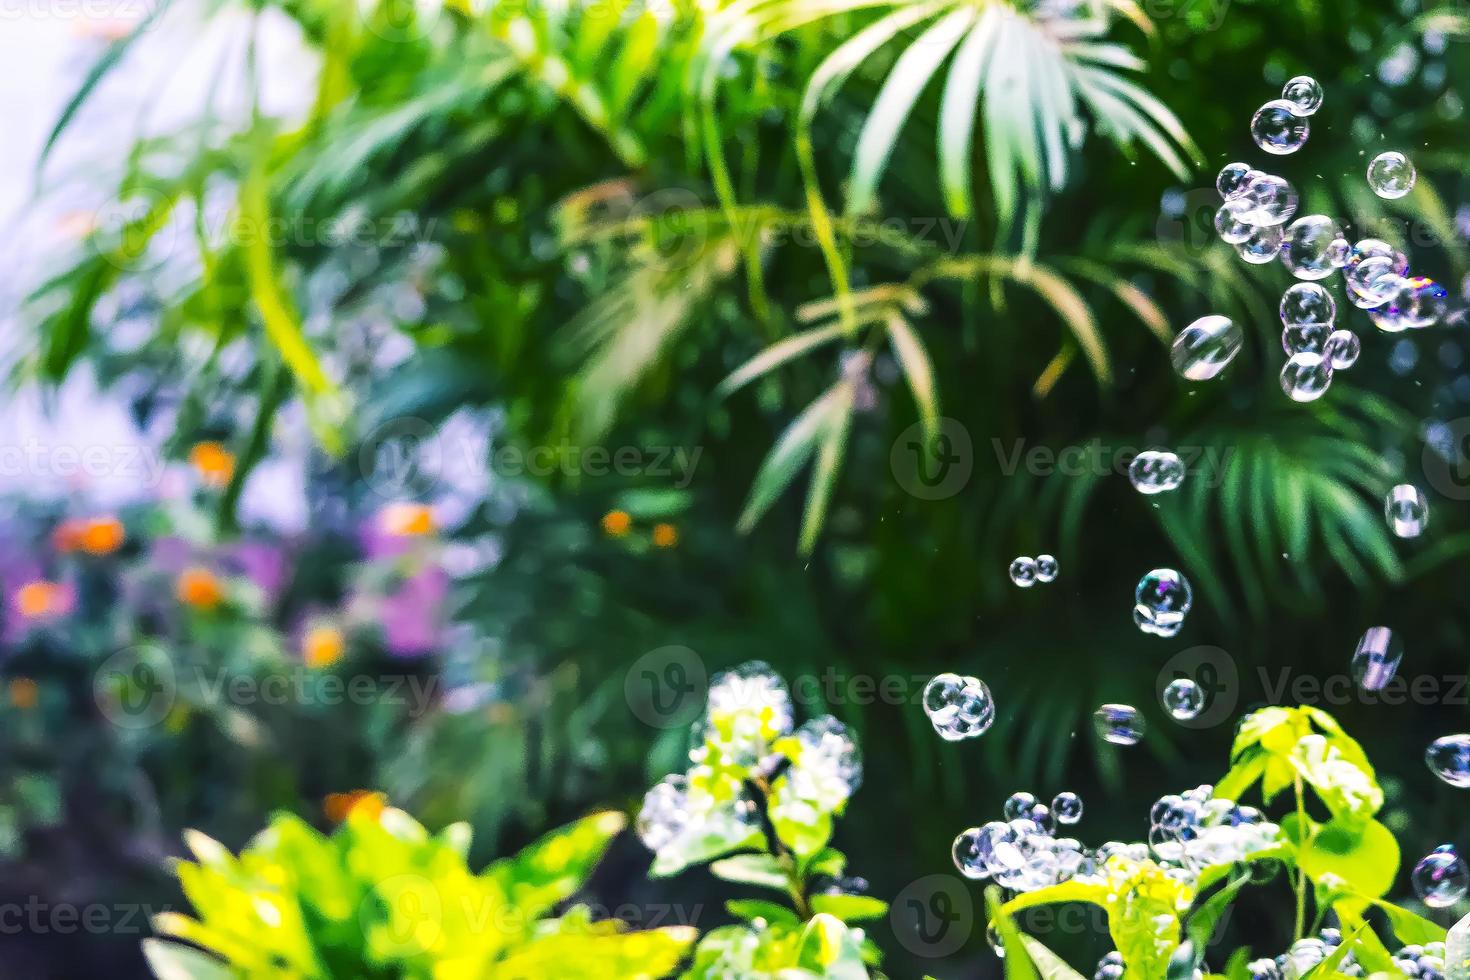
(394, 343)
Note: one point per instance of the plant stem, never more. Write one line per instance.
(1301, 892)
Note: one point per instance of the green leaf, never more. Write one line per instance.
(850, 908)
(761, 870)
(1048, 964)
(173, 961)
(751, 909)
(788, 456)
(824, 477)
(1365, 856)
(1410, 927)
(829, 949)
(777, 354)
(958, 109)
(1018, 965)
(917, 368)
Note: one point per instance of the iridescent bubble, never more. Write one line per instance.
(1046, 568)
(1263, 246)
(966, 852)
(1067, 808)
(1441, 879)
(1306, 376)
(1304, 93)
(1023, 572)
(1017, 805)
(1407, 511)
(1391, 175)
(1373, 272)
(1307, 302)
(1339, 252)
(1155, 471)
(1161, 601)
(1385, 321)
(958, 707)
(1233, 178)
(1376, 658)
(1449, 759)
(1342, 349)
(1310, 338)
(1377, 248)
(1278, 129)
(1228, 225)
(1205, 347)
(1417, 302)
(1183, 698)
(1271, 199)
(1310, 246)
(1120, 724)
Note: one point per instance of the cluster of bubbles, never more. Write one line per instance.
(1315, 347)
(1426, 962)
(1441, 878)
(958, 707)
(1193, 830)
(1156, 471)
(1407, 511)
(1161, 601)
(1253, 216)
(1022, 852)
(1377, 658)
(1026, 572)
(1280, 126)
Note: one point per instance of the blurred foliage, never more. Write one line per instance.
(781, 239)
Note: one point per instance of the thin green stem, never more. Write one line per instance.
(1301, 878)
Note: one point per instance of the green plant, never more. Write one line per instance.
(382, 897)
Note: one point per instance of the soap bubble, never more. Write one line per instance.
(1120, 724)
(1304, 93)
(1373, 272)
(1342, 349)
(1307, 302)
(1391, 175)
(1306, 376)
(1449, 759)
(1233, 178)
(1228, 225)
(1418, 301)
(1271, 199)
(1067, 808)
(1376, 658)
(1278, 129)
(1339, 252)
(1023, 572)
(1162, 600)
(958, 707)
(1205, 347)
(1183, 698)
(968, 853)
(1407, 511)
(1309, 338)
(1046, 568)
(1441, 878)
(1263, 246)
(1155, 471)
(1310, 246)
(1018, 804)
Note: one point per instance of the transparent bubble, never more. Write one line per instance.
(1120, 724)
(1310, 338)
(1310, 246)
(1441, 879)
(1041, 816)
(1271, 199)
(1449, 759)
(1376, 658)
(1263, 246)
(1342, 349)
(1183, 698)
(1391, 175)
(1205, 347)
(1067, 808)
(941, 695)
(1385, 321)
(1023, 572)
(1233, 178)
(1374, 273)
(1377, 248)
(1339, 252)
(1418, 301)
(1278, 129)
(1162, 600)
(1228, 225)
(967, 854)
(1407, 511)
(1156, 471)
(1307, 302)
(1017, 805)
(1304, 93)
(1046, 568)
(1305, 377)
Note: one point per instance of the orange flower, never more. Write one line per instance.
(199, 588)
(214, 463)
(407, 520)
(68, 535)
(615, 523)
(322, 646)
(23, 693)
(102, 535)
(42, 600)
(665, 535)
(339, 806)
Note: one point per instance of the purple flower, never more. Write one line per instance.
(413, 616)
